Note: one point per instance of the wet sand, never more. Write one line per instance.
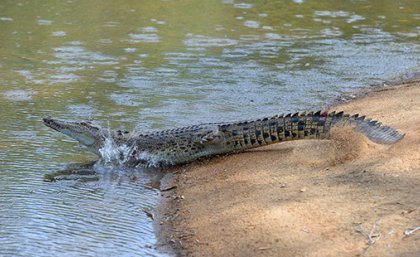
(345, 196)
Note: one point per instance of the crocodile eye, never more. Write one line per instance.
(83, 123)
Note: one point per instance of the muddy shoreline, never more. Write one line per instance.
(341, 197)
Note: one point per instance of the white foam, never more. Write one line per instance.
(111, 153)
(153, 160)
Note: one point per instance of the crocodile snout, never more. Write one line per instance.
(51, 123)
(47, 120)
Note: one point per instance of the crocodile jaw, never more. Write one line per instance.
(91, 136)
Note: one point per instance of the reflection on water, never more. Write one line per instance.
(88, 210)
(161, 64)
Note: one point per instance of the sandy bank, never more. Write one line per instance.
(341, 197)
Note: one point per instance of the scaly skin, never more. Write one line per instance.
(182, 145)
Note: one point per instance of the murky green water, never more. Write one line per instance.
(159, 64)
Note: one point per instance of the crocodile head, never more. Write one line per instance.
(93, 137)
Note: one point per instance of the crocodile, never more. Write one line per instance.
(183, 145)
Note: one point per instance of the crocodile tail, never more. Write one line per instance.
(374, 130)
(307, 125)
(322, 122)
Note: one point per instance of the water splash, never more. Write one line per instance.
(113, 154)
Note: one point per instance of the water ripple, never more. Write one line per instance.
(79, 218)
(144, 38)
(207, 41)
(18, 95)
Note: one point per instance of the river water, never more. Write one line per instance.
(149, 65)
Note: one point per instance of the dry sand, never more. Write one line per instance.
(341, 197)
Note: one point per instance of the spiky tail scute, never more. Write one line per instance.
(250, 134)
(375, 131)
